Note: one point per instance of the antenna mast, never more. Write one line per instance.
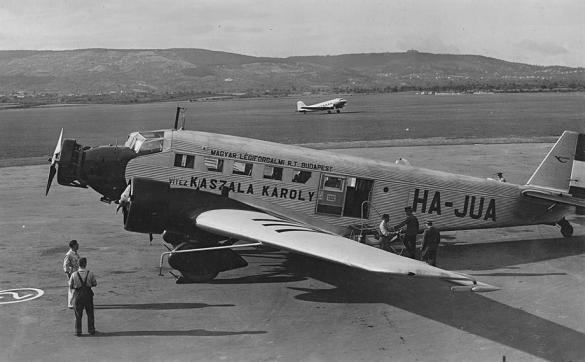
(179, 110)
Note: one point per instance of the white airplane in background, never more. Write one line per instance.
(205, 192)
(329, 105)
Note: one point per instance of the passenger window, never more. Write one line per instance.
(273, 173)
(213, 164)
(301, 176)
(332, 182)
(242, 168)
(184, 161)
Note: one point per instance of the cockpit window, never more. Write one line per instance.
(145, 142)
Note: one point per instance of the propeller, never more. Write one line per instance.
(54, 160)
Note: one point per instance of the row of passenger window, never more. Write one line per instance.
(213, 164)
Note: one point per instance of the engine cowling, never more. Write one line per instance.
(148, 207)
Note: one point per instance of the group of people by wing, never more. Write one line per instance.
(430, 242)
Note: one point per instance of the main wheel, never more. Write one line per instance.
(203, 277)
(195, 267)
(567, 229)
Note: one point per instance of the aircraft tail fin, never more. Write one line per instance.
(563, 168)
(300, 104)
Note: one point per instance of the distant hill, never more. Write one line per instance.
(151, 71)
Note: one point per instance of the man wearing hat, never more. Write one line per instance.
(431, 239)
(501, 177)
(411, 223)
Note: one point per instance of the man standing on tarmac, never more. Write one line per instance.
(431, 239)
(411, 223)
(70, 266)
(81, 282)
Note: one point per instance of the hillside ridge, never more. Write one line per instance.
(141, 72)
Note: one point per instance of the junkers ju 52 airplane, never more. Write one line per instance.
(206, 192)
(333, 104)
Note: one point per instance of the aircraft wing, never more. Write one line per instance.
(560, 198)
(254, 226)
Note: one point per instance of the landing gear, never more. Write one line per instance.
(329, 112)
(566, 228)
(203, 266)
(194, 267)
(204, 277)
(338, 111)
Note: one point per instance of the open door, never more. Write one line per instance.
(344, 196)
(357, 192)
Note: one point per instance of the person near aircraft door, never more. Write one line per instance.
(385, 232)
(431, 239)
(81, 282)
(70, 266)
(411, 223)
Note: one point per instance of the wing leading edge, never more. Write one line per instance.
(272, 231)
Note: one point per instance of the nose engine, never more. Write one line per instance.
(71, 156)
(101, 168)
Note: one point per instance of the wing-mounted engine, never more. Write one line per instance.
(156, 208)
(147, 210)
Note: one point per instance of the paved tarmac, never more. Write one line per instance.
(284, 307)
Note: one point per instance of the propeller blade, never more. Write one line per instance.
(52, 172)
(57, 153)
(54, 160)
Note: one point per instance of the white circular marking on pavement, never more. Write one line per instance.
(19, 295)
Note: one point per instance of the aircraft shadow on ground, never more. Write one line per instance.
(192, 333)
(271, 273)
(496, 255)
(160, 306)
(432, 299)
(276, 274)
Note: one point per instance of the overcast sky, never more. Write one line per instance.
(528, 31)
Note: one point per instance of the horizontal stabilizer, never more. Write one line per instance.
(561, 198)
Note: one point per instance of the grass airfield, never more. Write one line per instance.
(284, 307)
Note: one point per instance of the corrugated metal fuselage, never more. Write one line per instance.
(360, 189)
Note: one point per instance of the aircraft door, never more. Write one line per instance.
(331, 195)
(358, 192)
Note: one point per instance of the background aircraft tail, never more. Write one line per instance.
(563, 169)
(299, 105)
